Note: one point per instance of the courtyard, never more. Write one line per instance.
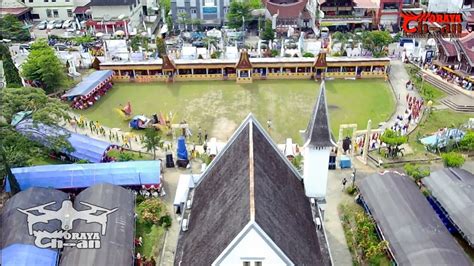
(220, 106)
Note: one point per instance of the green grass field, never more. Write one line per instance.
(220, 106)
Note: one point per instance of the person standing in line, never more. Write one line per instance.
(344, 182)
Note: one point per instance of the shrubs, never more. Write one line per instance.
(351, 190)
(308, 54)
(361, 235)
(165, 221)
(467, 142)
(416, 171)
(453, 159)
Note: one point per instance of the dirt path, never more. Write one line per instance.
(223, 129)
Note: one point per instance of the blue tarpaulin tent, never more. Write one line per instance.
(89, 83)
(26, 255)
(182, 151)
(85, 148)
(65, 176)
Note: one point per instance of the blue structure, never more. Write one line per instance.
(182, 152)
(88, 84)
(345, 162)
(71, 176)
(24, 255)
(441, 140)
(85, 148)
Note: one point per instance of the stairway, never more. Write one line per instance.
(440, 84)
(449, 102)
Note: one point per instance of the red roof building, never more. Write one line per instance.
(289, 12)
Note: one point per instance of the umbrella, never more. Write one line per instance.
(119, 32)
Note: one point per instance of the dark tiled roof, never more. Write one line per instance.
(466, 44)
(415, 234)
(318, 133)
(249, 180)
(281, 207)
(111, 2)
(220, 207)
(285, 11)
(448, 47)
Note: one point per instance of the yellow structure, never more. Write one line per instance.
(247, 69)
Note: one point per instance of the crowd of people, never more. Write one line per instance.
(83, 102)
(450, 76)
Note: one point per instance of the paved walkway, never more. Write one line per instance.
(398, 79)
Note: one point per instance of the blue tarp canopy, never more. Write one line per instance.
(85, 148)
(133, 173)
(89, 83)
(25, 255)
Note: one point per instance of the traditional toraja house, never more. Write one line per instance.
(447, 53)
(288, 13)
(457, 54)
(255, 68)
(317, 148)
(465, 46)
(244, 68)
(320, 66)
(250, 209)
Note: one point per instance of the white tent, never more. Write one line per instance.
(214, 33)
(188, 52)
(231, 52)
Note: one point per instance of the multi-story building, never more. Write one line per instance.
(389, 13)
(210, 12)
(51, 9)
(110, 15)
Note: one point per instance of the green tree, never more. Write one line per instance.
(467, 142)
(43, 66)
(255, 4)
(11, 72)
(183, 19)
(376, 42)
(393, 140)
(20, 151)
(152, 141)
(238, 11)
(268, 32)
(453, 159)
(416, 171)
(12, 28)
(135, 42)
(161, 46)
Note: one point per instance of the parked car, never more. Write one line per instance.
(58, 24)
(24, 46)
(60, 47)
(198, 44)
(67, 24)
(50, 25)
(42, 25)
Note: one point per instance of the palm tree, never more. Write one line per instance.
(152, 141)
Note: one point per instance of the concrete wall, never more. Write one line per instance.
(316, 172)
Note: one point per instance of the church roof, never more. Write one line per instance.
(318, 132)
(250, 181)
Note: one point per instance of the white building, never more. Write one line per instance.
(317, 147)
(451, 6)
(249, 208)
(114, 12)
(51, 9)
